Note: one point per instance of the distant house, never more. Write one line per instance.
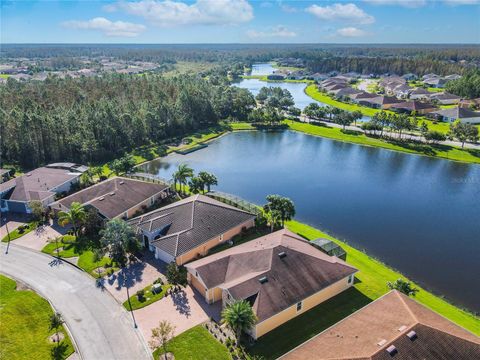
(358, 98)
(413, 105)
(463, 114)
(116, 197)
(420, 94)
(318, 77)
(435, 82)
(380, 102)
(430, 76)
(445, 98)
(470, 103)
(410, 77)
(41, 184)
(333, 88)
(346, 92)
(391, 327)
(189, 228)
(4, 175)
(452, 77)
(402, 91)
(281, 275)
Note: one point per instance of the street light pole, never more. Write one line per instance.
(8, 232)
(128, 297)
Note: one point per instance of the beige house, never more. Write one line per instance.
(188, 229)
(281, 275)
(116, 197)
(391, 327)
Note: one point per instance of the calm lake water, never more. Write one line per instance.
(417, 214)
(262, 69)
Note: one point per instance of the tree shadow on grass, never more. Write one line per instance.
(59, 351)
(305, 326)
(418, 147)
(351, 132)
(321, 124)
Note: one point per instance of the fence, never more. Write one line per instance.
(150, 178)
(235, 201)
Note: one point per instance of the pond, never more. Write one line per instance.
(418, 214)
(262, 69)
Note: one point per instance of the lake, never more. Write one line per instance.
(262, 69)
(418, 214)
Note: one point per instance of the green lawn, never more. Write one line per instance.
(196, 344)
(370, 284)
(4, 76)
(68, 245)
(17, 233)
(24, 325)
(442, 151)
(149, 298)
(235, 126)
(87, 263)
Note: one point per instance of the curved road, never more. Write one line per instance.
(101, 328)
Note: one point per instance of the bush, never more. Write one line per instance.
(140, 295)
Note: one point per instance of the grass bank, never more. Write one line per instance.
(266, 79)
(25, 325)
(370, 284)
(441, 151)
(195, 344)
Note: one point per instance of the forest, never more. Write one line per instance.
(89, 120)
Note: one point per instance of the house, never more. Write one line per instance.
(391, 327)
(41, 184)
(463, 114)
(452, 77)
(357, 98)
(188, 228)
(420, 94)
(116, 197)
(430, 76)
(318, 77)
(435, 82)
(402, 90)
(4, 175)
(281, 275)
(410, 77)
(413, 105)
(335, 87)
(379, 102)
(346, 92)
(445, 98)
(470, 103)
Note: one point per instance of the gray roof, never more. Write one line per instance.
(112, 197)
(38, 184)
(444, 96)
(189, 223)
(457, 113)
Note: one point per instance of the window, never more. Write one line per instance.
(299, 306)
(350, 279)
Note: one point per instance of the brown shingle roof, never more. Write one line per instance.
(112, 197)
(367, 334)
(191, 222)
(412, 106)
(37, 184)
(304, 271)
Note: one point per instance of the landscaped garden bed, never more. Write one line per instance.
(148, 295)
(20, 231)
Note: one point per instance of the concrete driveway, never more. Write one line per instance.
(102, 328)
(40, 237)
(185, 310)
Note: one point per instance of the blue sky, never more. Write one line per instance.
(241, 21)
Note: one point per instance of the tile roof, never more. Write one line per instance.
(112, 197)
(412, 105)
(190, 222)
(367, 333)
(37, 184)
(457, 113)
(302, 272)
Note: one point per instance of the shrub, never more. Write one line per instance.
(140, 294)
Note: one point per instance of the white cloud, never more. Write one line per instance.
(109, 28)
(345, 12)
(275, 32)
(351, 32)
(404, 3)
(201, 12)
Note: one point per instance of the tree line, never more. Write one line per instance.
(90, 120)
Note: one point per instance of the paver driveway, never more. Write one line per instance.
(38, 238)
(185, 310)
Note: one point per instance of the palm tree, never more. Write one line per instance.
(403, 286)
(75, 216)
(56, 321)
(272, 217)
(181, 175)
(239, 316)
(208, 179)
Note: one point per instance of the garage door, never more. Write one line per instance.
(162, 255)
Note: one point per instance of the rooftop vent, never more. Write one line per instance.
(392, 350)
(382, 342)
(112, 193)
(263, 280)
(122, 182)
(401, 328)
(412, 335)
(101, 199)
(282, 254)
